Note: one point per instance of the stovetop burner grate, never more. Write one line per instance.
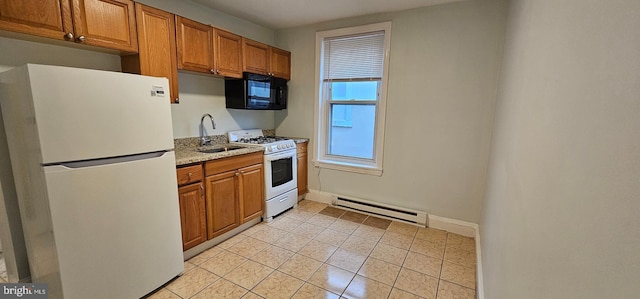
(262, 139)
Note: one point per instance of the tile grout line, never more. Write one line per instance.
(446, 240)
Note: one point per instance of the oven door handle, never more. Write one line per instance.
(274, 157)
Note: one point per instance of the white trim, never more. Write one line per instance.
(321, 111)
(319, 196)
(455, 226)
(479, 278)
(467, 229)
(335, 165)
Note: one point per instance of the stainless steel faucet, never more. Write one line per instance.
(204, 140)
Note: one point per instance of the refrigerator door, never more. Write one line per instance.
(116, 229)
(87, 114)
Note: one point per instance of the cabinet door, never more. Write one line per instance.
(157, 47)
(195, 46)
(251, 188)
(222, 203)
(192, 215)
(302, 174)
(255, 57)
(47, 18)
(301, 150)
(280, 63)
(228, 54)
(105, 23)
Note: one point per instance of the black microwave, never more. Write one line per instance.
(256, 92)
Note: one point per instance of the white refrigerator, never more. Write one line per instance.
(94, 169)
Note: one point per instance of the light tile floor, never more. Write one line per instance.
(315, 251)
(3, 269)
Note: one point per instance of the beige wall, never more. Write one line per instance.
(561, 217)
(442, 82)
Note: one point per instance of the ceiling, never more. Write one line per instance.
(278, 14)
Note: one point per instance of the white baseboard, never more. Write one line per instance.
(467, 229)
(455, 226)
(479, 279)
(319, 196)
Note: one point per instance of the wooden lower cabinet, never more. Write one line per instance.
(234, 192)
(251, 186)
(222, 203)
(301, 149)
(192, 215)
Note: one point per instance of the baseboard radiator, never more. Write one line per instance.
(382, 210)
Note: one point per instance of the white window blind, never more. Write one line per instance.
(354, 57)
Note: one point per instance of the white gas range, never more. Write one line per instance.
(280, 165)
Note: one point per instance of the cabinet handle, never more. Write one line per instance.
(81, 38)
(68, 36)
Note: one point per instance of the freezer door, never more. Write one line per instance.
(116, 227)
(87, 114)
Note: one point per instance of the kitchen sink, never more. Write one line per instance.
(219, 149)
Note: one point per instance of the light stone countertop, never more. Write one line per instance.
(299, 139)
(186, 149)
(190, 155)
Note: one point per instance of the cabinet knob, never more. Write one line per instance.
(212, 71)
(190, 174)
(68, 36)
(81, 38)
(237, 173)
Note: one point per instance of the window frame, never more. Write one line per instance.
(322, 107)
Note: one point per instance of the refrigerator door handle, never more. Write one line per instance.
(113, 160)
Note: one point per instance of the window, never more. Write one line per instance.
(351, 97)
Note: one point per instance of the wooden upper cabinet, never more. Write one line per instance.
(280, 63)
(227, 53)
(157, 47)
(195, 46)
(47, 18)
(256, 57)
(103, 23)
(263, 59)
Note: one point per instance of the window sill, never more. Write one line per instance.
(348, 167)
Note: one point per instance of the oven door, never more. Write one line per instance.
(280, 173)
